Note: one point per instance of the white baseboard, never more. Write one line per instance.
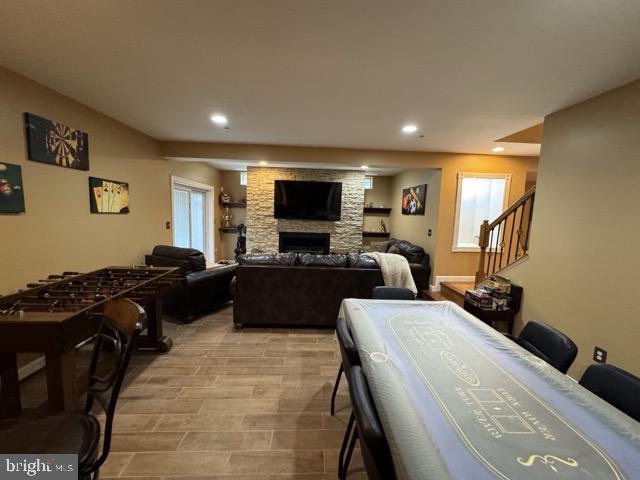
(39, 363)
(435, 287)
(31, 368)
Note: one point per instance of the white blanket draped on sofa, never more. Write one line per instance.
(395, 270)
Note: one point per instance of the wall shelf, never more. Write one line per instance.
(378, 210)
(376, 234)
(228, 229)
(233, 204)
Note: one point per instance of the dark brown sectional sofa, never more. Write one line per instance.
(303, 289)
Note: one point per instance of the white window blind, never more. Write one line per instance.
(479, 197)
(181, 218)
(192, 216)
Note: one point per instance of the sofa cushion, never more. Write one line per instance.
(413, 253)
(282, 259)
(381, 246)
(331, 260)
(362, 261)
(194, 257)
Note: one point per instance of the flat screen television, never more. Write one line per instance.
(307, 200)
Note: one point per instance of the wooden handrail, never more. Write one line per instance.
(505, 240)
(512, 208)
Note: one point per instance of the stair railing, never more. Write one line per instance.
(506, 240)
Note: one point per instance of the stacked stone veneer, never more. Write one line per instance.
(263, 228)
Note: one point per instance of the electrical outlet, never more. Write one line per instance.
(168, 225)
(429, 233)
(599, 355)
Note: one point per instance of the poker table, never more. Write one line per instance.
(458, 400)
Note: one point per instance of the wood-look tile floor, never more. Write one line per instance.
(228, 404)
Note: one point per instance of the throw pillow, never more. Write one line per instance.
(394, 249)
(381, 246)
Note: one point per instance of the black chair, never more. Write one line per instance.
(347, 345)
(79, 432)
(350, 359)
(547, 343)
(201, 290)
(392, 293)
(349, 355)
(373, 443)
(615, 386)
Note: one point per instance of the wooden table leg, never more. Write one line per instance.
(154, 339)
(62, 383)
(9, 385)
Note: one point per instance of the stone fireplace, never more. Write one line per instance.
(263, 230)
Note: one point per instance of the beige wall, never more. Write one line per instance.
(380, 195)
(414, 228)
(230, 180)
(450, 263)
(583, 263)
(447, 262)
(57, 232)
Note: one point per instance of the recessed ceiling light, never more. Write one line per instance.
(219, 119)
(262, 162)
(497, 149)
(364, 167)
(409, 129)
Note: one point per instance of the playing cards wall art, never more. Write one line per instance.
(11, 194)
(413, 199)
(56, 144)
(108, 196)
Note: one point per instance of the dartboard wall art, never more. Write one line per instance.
(56, 144)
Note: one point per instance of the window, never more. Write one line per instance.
(192, 211)
(243, 178)
(480, 196)
(368, 183)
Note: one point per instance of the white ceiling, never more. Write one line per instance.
(344, 73)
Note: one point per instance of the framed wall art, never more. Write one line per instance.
(11, 191)
(108, 196)
(413, 200)
(56, 144)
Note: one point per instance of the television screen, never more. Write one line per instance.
(307, 200)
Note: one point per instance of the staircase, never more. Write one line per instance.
(452, 291)
(505, 241)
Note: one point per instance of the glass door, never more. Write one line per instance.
(190, 226)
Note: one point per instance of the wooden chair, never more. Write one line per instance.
(79, 432)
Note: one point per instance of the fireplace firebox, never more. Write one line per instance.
(304, 242)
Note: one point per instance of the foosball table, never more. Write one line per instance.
(54, 315)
